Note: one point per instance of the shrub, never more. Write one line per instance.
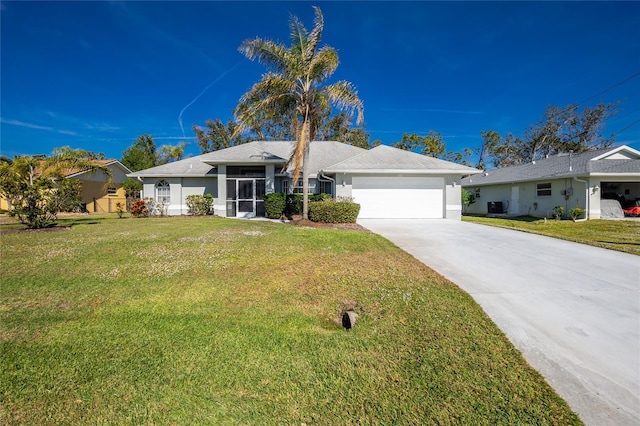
(558, 212)
(139, 209)
(293, 204)
(120, 209)
(200, 205)
(576, 213)
(274, 204)
(333, 211)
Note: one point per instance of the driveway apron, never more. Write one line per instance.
(572, 310)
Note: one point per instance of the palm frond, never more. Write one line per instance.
(315, 35)
(272, 93)
(323, 64)
(267, 52)
(344, 95)
(299, 36)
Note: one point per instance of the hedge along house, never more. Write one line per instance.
(566, 180)
(385, 181)
(97, 195)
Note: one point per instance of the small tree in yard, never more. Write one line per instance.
(576, 213)
(132, 190)
(36, 187)
(468, 198)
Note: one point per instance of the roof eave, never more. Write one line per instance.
(402, 171)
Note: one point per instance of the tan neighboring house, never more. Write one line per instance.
(96, 196)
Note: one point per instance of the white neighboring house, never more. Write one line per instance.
(387, 182)
(566, 180)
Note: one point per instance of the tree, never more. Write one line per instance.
(562, 130)
(36, 186)
(431, 144)
(141, 155)
(217, 136)
(132, 190)
(337, 127)
(294, 88)
(169, 153)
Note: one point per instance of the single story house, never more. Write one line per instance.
(96, 195)
(566, 180)
(387, 182)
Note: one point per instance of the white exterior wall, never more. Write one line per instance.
(343, 185)
(452, 198)
(529, 203)
(179, 189)
(220, 203)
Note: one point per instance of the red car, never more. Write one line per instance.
(632, 211)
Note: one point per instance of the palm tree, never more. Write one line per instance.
(294, 86)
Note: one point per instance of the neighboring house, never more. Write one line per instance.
(385, 181)
(96, 196)
(567, 180)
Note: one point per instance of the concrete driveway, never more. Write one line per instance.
(571, 309)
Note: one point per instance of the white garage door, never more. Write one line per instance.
(399, 197)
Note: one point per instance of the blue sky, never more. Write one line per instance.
(95, 75)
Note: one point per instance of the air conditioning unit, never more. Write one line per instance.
(494, 207)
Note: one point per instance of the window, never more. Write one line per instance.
(112, 190)
(311, 190)
(163, 192)
(285, 186)
(543, 189)
(326, 187)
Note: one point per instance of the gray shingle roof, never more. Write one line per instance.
(563, 165)
(326, 156)
(277, 152)
(384, 158)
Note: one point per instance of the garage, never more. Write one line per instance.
(410, 197)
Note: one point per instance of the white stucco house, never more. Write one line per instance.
(387, 182)
(568, 180)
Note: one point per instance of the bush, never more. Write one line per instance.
(558, 212)
(139, 209)
(294, 202)
(333, 211)
(274, 204)
(293, 205)
(576, 213)
(120, 209)
(199, 205)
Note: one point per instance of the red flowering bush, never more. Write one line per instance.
(139, 209)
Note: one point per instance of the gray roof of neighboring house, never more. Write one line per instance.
(624, 161)
(386, 159)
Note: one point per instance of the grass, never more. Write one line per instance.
(620, 235)
(227, 322)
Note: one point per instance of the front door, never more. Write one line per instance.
(246, 198)
(514, 203)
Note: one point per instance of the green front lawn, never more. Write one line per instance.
(620, 235)
(227, 322)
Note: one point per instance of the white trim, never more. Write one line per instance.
(616, 150)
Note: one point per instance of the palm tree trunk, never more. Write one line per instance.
(305, 176)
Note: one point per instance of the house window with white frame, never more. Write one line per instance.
(543, 189)
(112, 190)
(163, 192)
(311, 190)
